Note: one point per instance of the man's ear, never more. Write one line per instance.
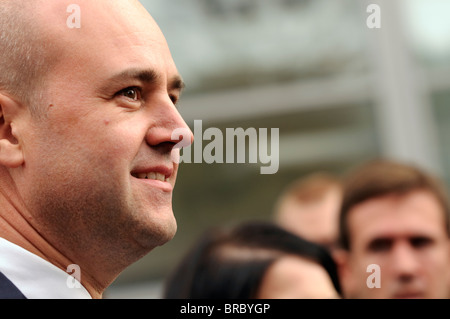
(342, 259)
(11, 155)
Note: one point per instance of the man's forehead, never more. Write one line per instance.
(86, 17)
(113, 35)
(99, 6)
(417, 213)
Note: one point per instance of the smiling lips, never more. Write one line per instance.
(161, 173)
(151, 175)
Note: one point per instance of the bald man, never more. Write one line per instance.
(87, 106)
(309, 207)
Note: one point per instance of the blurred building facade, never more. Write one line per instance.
(340, 93)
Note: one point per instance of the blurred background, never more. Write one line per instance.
(340, 93)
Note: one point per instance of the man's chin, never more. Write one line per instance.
(169, 233)
(157, 233)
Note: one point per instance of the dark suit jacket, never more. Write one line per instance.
(8, 290)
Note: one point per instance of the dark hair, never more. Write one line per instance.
(230, 263)
(382, 177)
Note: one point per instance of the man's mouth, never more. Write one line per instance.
(151, 175)
(409, 296)
(409, 293)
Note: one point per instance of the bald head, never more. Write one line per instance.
(24, 57)
(34, 37)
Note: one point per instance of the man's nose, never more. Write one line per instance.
(404, 260)
(169, 129)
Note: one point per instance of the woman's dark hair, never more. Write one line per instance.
(229, 263)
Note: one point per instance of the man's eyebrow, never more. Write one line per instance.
(177, 83)
(147, 76)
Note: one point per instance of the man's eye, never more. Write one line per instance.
(131, 93)
(420, 242)
(380, 245)
(174, 99)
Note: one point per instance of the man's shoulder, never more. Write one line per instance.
(8, 290)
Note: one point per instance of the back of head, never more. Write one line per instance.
(382, 177)
(309, 208)
(217, 267)
(230, 263)
(23, 53)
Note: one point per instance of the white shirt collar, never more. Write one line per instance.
(35, 277)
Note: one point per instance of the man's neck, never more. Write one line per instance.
(16, 228)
